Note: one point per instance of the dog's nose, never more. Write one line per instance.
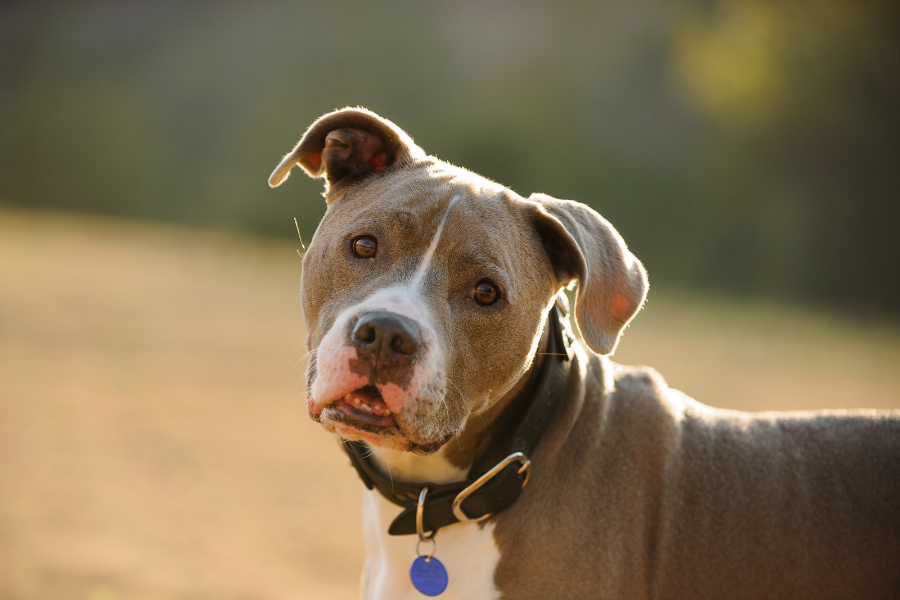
(386, 337)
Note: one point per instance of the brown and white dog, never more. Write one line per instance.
(425, 291)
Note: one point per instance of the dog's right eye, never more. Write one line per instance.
(365, 246)
(485, 293)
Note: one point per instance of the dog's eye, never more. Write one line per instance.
(485, 293)
(365, 246)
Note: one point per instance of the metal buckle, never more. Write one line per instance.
(461, 497)
(420, 514)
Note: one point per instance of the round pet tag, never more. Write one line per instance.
(428, 575)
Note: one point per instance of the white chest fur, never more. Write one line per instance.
(467, 550)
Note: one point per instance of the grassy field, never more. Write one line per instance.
(152, 439)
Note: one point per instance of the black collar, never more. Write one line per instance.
(497, 478)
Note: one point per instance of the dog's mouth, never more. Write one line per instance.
(366, 406)
(364, 415)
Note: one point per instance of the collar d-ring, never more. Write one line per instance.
(420, 514)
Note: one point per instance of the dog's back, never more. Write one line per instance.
(794, 505)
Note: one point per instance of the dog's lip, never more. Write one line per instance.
(362, 428)
(374, 424)
(364, 405)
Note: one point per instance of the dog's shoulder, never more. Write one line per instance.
(636, 382)
(637, 392)
(629, 408)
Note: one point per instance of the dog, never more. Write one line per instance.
(443, 359)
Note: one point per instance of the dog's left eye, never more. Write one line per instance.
(365, 246)
(485, 293)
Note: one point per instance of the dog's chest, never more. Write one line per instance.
(468, 551)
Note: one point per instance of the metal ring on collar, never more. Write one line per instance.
(460, 498)
(420, 513)
(433, 548)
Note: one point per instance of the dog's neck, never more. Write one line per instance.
(496, 423)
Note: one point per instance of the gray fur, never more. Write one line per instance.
(636, 491)
(641, 492)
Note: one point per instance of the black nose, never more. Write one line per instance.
(386, 337)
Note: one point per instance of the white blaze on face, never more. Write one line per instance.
(334, 377)
(416, 283)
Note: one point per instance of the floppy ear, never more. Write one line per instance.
(583, 246)
(345, 146)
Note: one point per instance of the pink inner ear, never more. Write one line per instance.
(619, 305)
(314, 160)
(377, 162)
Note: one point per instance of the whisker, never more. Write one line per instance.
(302, 357)
(444, 399)
(294, 393)
(300, 237)
(461, 395)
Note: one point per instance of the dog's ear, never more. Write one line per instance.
(345, 146)
(583, 246)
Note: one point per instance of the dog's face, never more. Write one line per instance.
(426, 287)
(409, 289)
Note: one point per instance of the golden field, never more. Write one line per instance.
(153, 438)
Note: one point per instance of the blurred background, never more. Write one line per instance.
(153, 443)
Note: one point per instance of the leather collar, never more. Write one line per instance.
(500, 490)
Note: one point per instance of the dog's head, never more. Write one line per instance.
(426, 287)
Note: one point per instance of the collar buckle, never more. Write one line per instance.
(461, 497)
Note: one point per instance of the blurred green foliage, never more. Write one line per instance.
(749, 146)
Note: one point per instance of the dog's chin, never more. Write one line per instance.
(335, 420)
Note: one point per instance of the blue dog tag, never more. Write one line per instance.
(428, 575)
